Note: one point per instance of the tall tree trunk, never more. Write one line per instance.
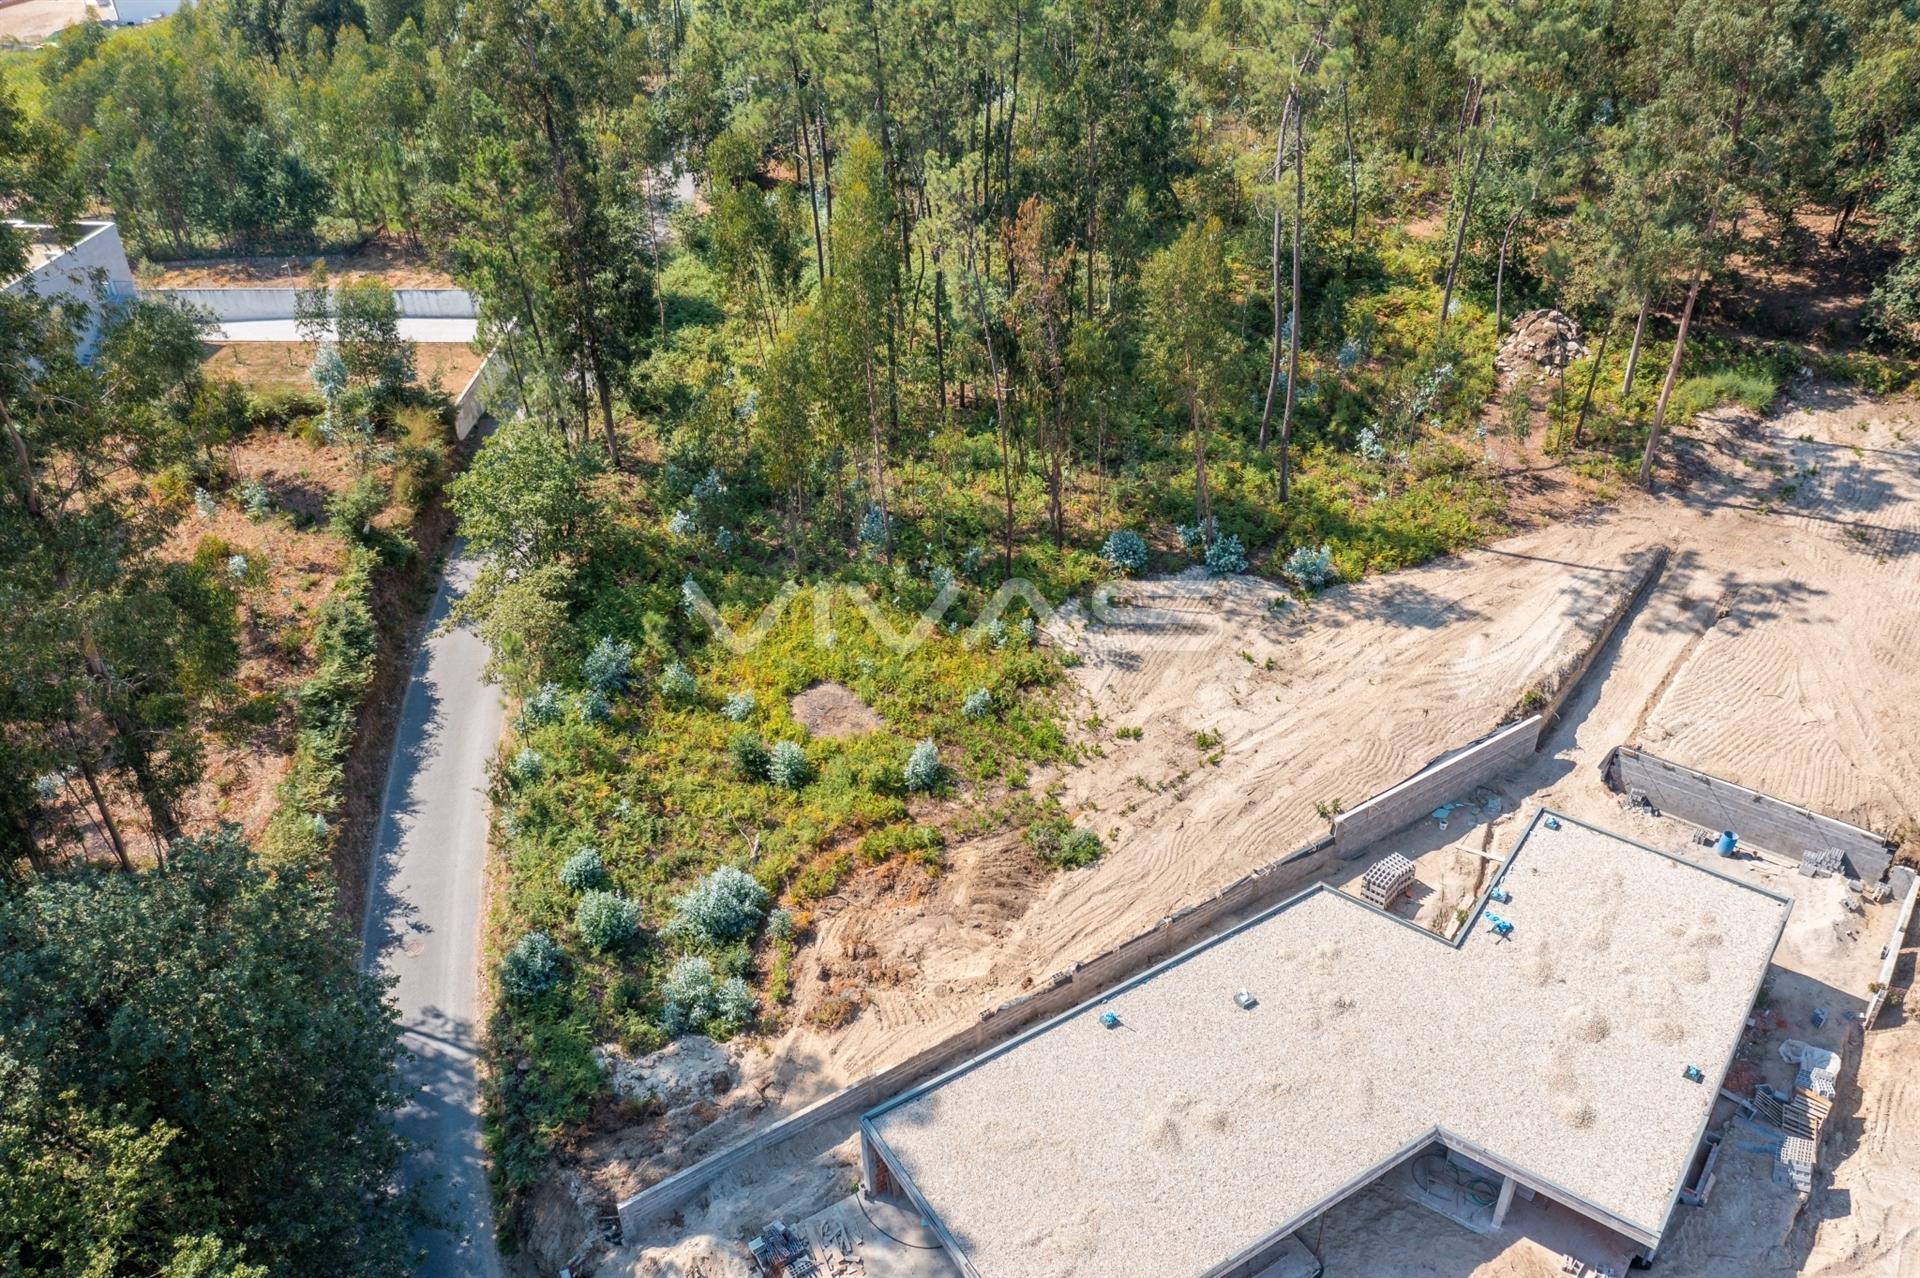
(813, 185)
(1279, 168)
(1593, 377)
(939, 333)
(1353, 173)
(1633, 351)
(1500, 280)
(1000, 415)
(1293, 334)
(879, 458)
(1673, 375)
(133, 748)
(107, 822)
(1460, 237)
(1840, 221)
(1202, 499)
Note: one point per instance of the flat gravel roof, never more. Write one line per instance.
(1181, 1138)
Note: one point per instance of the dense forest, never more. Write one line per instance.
(888, 302)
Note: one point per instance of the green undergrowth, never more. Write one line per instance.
(656, 790)
(345, 642)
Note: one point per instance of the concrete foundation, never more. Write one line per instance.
(1765, 822)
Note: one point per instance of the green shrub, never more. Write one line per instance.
(725, 906)
(1125, 551)
(787, 767)
(677, 684)
(351, 512)
(780, 925)
(1226, 556)
(583, 870)
(734, 1005)
(345, 640)
(1061, 844)
(923, 770)
(750, 759)
(689, 997)
(606, 920)
(531, 967)
(609, 666)
(277, 407)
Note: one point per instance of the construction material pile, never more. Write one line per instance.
(1540, 339)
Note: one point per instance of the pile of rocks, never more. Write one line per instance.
(1540, 339)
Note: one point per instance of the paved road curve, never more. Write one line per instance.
(423, 924)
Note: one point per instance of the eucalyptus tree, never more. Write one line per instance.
(1190, 354)
(1734, 81)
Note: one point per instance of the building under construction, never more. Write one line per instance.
(1566, 1047)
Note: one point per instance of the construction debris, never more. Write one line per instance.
(1540, 339)
(1386, 879)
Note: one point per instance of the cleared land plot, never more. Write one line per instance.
(1366, 687)
(263, 364)
(31, 21)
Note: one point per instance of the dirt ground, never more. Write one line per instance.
(263, 364)
(832, 709)
(1775, 649)
(380, 258)
(31, 21)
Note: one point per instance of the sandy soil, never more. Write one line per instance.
(31, 21)
(261, 364)
(1775, 649)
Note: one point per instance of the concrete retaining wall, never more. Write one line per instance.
(1774, 824)
(478, 397)
(1895, 944)
(1449, 777)
(1265, 886)
(243, 304)
(1548, 694)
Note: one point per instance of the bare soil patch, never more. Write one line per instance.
(834, 710)
(449, 365)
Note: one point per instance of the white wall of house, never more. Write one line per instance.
(92, 271)
(130, 11)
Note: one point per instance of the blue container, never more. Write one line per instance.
(1727, 842)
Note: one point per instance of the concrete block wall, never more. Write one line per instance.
(1450, 777)
(1895, 943)
(244, 304)
(1766, 822)
(1551, 691)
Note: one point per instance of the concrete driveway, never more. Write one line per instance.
(423, 925)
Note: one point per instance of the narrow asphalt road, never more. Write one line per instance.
(423, 925)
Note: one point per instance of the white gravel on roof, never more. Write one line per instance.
(1183, 1137)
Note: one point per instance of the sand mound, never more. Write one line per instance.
(1572, 1110)
(834, 710)
(1666, 1032)
(1589, 1025)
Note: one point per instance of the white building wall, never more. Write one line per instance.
(130, 11)
(93, 271)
